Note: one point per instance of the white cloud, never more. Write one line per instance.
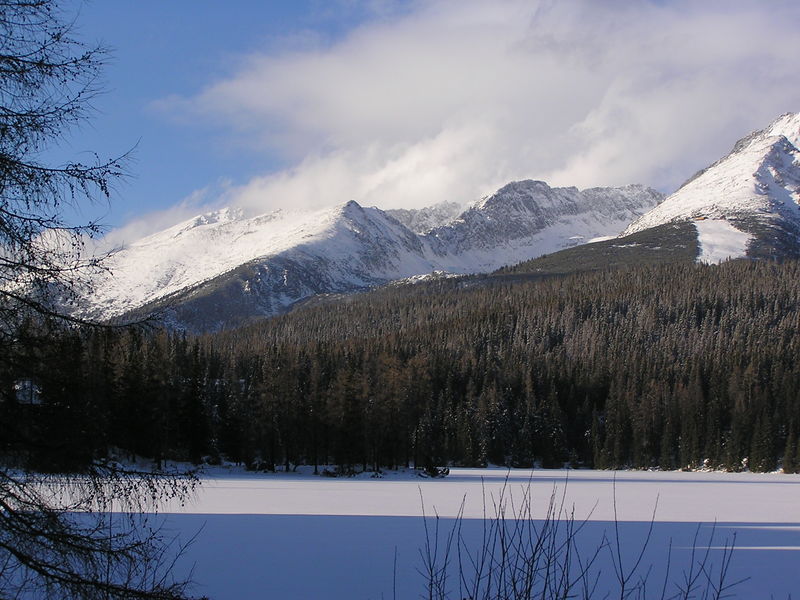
(451, 99)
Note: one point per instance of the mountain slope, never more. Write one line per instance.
(528, 218)
(277, 258)
(670, 243)
(744, 204)
(754, 190)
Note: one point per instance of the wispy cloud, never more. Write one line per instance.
(201, 200)
(450, 99)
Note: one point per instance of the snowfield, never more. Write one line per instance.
(719, 241)
(303, 536)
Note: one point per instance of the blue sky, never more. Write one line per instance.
(161, 49)
(307, 103)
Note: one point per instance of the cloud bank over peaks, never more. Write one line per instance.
(449, 100)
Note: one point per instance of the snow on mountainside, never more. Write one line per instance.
(424, 219)
(718, 241)
(756, 187)
(222, 267)
(346, 246)
(528, 218)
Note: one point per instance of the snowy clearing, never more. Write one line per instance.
(719, 241)
(301, 536)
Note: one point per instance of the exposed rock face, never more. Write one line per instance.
(422, 220)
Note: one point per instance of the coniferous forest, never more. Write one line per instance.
(666, 366)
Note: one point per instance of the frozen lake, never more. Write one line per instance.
(300, 536)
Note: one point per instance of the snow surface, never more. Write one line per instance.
(300, 536)
(719, 241)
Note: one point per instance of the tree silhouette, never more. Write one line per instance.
(55, 539)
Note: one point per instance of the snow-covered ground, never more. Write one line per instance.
(300, 536)
(719, 241)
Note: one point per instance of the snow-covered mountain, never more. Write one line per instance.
(528, 218)
(225, 261)
(746, 203)
(223, 268)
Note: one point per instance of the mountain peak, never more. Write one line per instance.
(423, 220)
(523, 184)
(524, 195)
(351, 210)
(787, 125)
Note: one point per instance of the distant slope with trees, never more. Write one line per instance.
(669, 366)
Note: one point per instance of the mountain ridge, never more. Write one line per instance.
(268, 262)
(220, 269)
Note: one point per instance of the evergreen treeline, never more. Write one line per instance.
(664, 366)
